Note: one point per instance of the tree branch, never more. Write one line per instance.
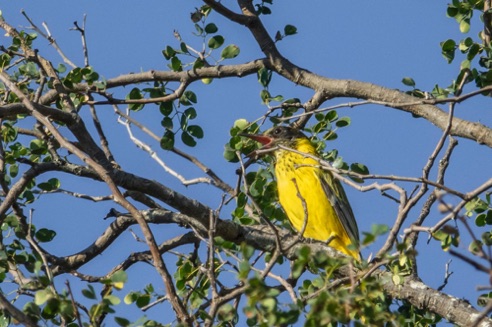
(332, 88)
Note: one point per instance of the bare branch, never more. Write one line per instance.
(20, 316)
(84, 41)
(48, 37)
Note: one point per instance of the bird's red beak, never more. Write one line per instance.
(263, 139)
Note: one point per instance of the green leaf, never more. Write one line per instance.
(452, 11)
(476, 205)
(167, 123)
(122, 321)
(183, 47)
(135, 94)
(230, 155)
(169, 52)
(190, 113)
(199, 29)
(4, 60)
(465, 44)
(61, 68)
(465, 26)
(278, 98)
(265, 96)
(448, 48)
(187, 98)
(167, 141)
(45, 235)
(473, 51)
(269, 304)
(118, 279)
(38, 146)
(475, 247)
(487, 238)
(188, 139)
(89, 293)
(196, 16)
(331, 115)
(131, 297)
(9, 132)
(112, 299)
(439, 93)
(264, 76)
(13, 170)
(290, 30)
(480, 220)
(264, 10)
(215, 42)
(51, 185)
(229, 52)
(166, 108)
(484, 299)
(343, 121)
(379, 229)
(143, 300)
(247, 251)
(408, 81)
(199, 63)
(338, 163)
(359, 168)
(42, 296)
(330, 136)
(488, 217)
(211, 28)
(195, 131)
(176, 64)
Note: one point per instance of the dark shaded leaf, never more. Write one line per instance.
(211, 28)
(195, 131)
(343, 121)
(290, 30)
(188, 139)
(167, 141)
(215, 42)
(45, 235)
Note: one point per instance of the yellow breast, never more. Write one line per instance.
(304, 200)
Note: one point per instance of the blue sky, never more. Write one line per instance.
(374, 41)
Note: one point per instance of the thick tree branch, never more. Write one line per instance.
(454, 310)
(17, 314)
(333, 88)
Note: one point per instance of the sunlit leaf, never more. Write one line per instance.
(229, 52)
(408, 81)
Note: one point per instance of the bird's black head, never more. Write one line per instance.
(277, 135)
(284, 134)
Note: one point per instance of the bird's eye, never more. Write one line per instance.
(277, 131)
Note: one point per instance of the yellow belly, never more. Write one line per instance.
(298, 183)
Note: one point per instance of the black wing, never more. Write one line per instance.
(338, 199)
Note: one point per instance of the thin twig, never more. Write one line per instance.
(48, 37)
(447, 275)
(102, 136)
(74, 304)
(84, 41)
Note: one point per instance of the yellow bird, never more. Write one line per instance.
(312, 198)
